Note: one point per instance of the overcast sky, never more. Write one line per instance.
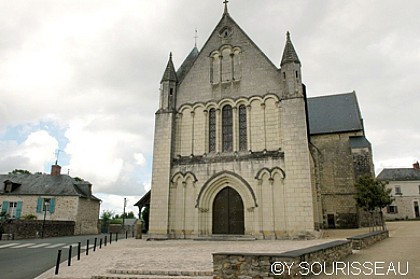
(83, 76)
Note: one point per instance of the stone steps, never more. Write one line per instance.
(155, 274)
(228, 237)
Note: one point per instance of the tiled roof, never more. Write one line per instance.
(334, 113)
(399, 174)
(44, 184)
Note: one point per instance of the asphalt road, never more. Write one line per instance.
(25, 259)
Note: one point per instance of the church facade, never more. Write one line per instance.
(240, 150)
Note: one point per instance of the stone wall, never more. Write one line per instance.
(336, 178)
(88, 217)
(260, 265)
(22, 229)
(363, 241)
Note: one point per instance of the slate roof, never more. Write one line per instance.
(289, 52)
(187, 64)
(334, 113)
(44, 184)
(145, 200)
(399, 174)
(359, 142)
(170, 73)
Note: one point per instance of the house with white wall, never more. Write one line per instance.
(405, 189)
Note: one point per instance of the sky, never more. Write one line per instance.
(82, 77)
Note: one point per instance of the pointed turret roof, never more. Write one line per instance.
(187, 64)
(170, 73)
(289, 53)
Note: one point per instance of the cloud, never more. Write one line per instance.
(105, 153)
(83, 76)
(31, 155)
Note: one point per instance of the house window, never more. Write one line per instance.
(212, 130)
(242, 128)
(398, 190)
(45, 204)
(12, 209)
(392, 209)
(227, 129)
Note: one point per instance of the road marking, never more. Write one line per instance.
(22, 245)
(8, 245)
(55, 245)
(40, 245)
(73, 246)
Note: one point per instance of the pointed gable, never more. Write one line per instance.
(229, 64)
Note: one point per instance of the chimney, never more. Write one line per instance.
(416, 166)
(55, 170)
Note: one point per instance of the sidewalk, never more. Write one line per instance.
(183, 258)
(402, 247)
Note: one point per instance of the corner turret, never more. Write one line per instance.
(290, 71)
(168, 86)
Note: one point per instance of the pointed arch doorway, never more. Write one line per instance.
(228, 212)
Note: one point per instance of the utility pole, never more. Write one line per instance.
(125, 204)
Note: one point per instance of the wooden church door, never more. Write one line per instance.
(228, 212)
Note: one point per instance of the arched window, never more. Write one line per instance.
(226, 65)
(237, 65)
(212, 130)
(243, 140)
(227, 129)
(215, 69)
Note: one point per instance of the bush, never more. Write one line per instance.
(116, 221)
(29, 217)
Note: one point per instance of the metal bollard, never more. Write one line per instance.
(79, 246)
(126, 234)
(57, 264)
(116, 237)
(100, 243)
(106, 239)
(94, 244)
(69, 258)
(87, 247)
(110, 238)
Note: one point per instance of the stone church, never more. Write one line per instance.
(240, 150)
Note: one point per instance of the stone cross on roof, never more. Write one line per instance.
(226, 9)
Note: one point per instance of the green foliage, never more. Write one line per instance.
(18, 171)
(107, 215)
(129, 215)
(4, 215)
(144, 216)
(372, 194)
(29, 217)
(116, 221)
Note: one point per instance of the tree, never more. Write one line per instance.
(106, 217)
(144, 216)
(372, 195)
(17, 171)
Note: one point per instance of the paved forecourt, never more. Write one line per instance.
(186, 256)
(189, 256)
